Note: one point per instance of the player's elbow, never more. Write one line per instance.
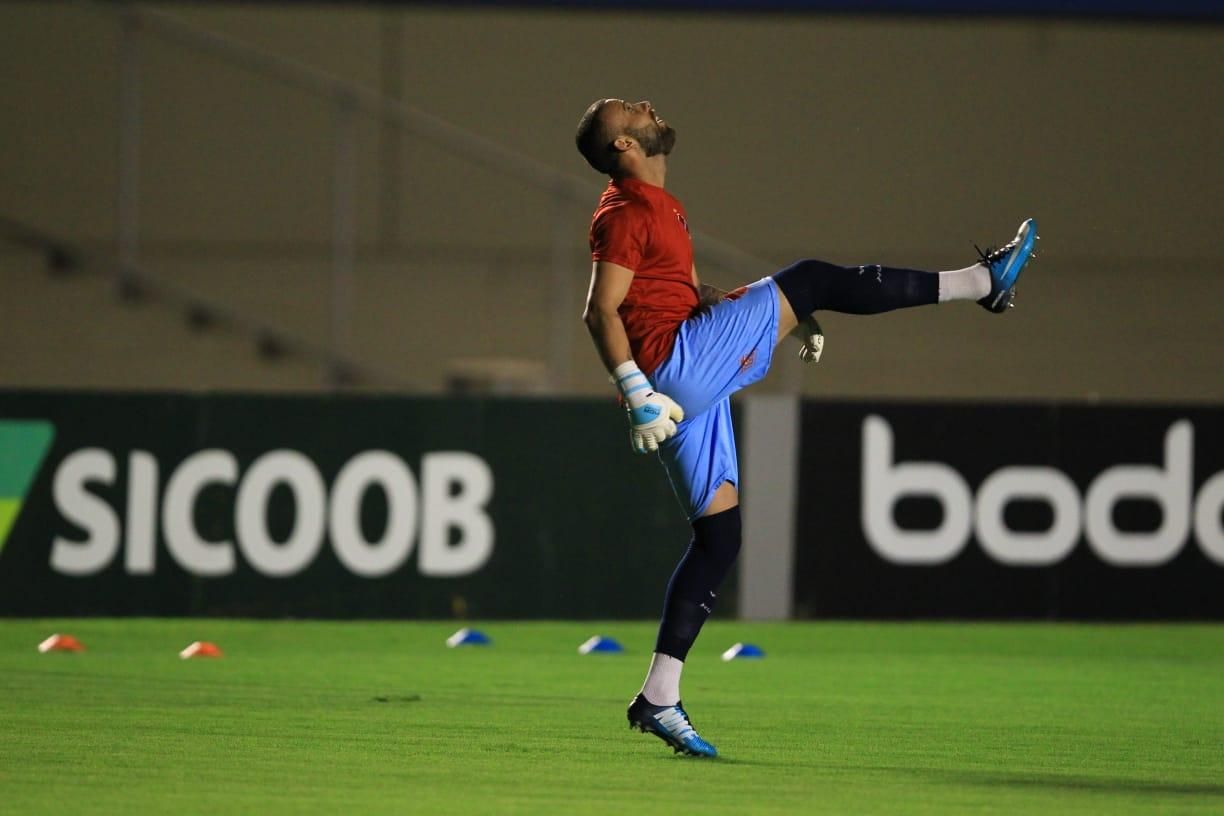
(595, 316)
(590, 318)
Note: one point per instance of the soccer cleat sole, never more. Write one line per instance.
(676, 747)
(1003, 302)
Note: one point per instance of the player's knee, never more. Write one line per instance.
(719, 535)
(805, 284)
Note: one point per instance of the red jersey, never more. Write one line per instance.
(643, 228)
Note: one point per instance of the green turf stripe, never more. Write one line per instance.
(9, 508)
(23, 444)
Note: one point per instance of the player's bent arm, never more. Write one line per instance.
(652, 416)
(609, 285)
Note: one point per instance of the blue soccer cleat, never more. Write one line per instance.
(1005, 265)
(670, 724)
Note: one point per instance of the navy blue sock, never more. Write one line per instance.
(691, 592)
(810, 285)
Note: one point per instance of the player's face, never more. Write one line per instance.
(641, 121)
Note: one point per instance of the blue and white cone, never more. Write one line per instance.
(743, 651)
(468, 637)
(599, 643)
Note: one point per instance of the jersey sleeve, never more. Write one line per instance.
(618, 235)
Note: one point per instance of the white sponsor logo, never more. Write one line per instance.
(1169, 486)
(454, 489)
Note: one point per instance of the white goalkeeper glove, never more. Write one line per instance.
(813, 341)
(652, 416)
(653, 421)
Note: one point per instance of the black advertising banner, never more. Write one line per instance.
(171, 504)
(167, 504)
(998, 511)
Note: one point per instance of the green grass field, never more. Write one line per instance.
(382, 718)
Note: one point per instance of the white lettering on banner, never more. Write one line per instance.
(186, 545)
(885, 483)
(455, 490)
(371, 559)
(141, 535)
(299, 474)
(1208, 524)
(1030, 549)
(462, 510)
(1169, 485)
(87, 511)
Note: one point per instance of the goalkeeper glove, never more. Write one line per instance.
(652, 416)
(813, 341)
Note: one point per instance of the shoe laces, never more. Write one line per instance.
(677, 722)
(990, 256)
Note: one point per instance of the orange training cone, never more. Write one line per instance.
(61, 643)
(201, 648)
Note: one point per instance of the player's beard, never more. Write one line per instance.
(655, 139)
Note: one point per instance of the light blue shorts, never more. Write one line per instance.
(717, 352)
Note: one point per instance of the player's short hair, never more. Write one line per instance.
(594, 139)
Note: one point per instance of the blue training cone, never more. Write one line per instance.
(468, 637)
(599, 643)
(743, 650)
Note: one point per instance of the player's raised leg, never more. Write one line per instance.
(811, 285)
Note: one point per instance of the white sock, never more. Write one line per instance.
(970, 283)
(662, 686)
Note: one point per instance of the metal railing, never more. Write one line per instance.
(350, 99)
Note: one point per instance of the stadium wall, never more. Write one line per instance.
(176, 504)
(877, 139)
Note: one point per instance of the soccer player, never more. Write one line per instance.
(676, 359)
